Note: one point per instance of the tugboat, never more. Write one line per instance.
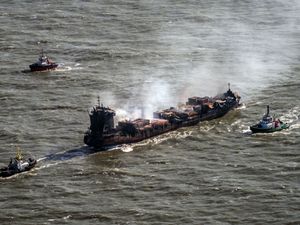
(43, 64)
(103, 133)
(268, 124)
(17, 165)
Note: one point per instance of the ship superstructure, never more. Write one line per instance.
(102, 131)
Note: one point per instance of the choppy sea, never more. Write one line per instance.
(150, 55)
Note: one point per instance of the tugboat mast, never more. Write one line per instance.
(42, 49)
(268, 110)
(98, 100)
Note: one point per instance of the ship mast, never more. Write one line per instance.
(98, 100)
(268, 110)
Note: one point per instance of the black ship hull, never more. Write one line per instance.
(36, 67)
(102, 134)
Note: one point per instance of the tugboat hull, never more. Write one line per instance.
(257, 129)
(35, 67)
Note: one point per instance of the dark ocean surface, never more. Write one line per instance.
(151, 55)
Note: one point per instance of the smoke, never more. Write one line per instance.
(197, 50)
(156, 95)
(249, 44)
(153, 94)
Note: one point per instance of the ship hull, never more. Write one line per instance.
(115, 139)
(35, 67)
(257, 129)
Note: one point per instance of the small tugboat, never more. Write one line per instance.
(268, 124)
(43, 64)
(17, 165)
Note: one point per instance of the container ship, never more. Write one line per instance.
(103, 132)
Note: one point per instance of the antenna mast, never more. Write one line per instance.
(98, 100)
